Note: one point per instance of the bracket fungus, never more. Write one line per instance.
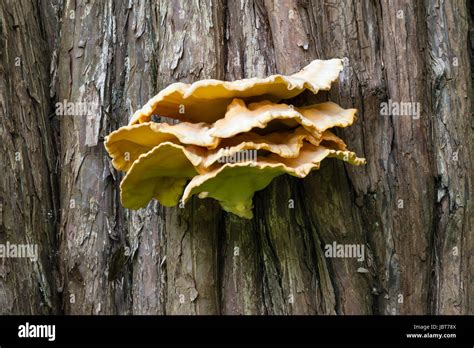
(207, 100)
(234, 138)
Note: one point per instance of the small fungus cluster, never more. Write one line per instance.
(232, 140)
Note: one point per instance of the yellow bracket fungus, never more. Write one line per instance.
(161, 173)
(234, 184)
(235, 138)
(127, 143)
(207, 100)
(315, 118)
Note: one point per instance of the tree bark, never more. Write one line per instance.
(411, 206)
(28, 163)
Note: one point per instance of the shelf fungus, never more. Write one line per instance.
(232, 140)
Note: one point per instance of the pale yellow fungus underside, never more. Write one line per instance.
(162, 172)
(284, 144)
(234, 184)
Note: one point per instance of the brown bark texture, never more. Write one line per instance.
(411, 206)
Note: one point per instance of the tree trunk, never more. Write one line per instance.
(28, 163)
(410, 206)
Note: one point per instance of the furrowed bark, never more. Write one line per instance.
(93, 258)
(28, 192)
(146, 236)
(450, 94)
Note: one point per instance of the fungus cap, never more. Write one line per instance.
(315, 118)
(207, 100)
(234, 184)
(127, 143)
(160, 173)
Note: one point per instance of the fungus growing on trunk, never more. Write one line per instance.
(235, 138)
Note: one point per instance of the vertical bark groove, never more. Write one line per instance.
(28, 189)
